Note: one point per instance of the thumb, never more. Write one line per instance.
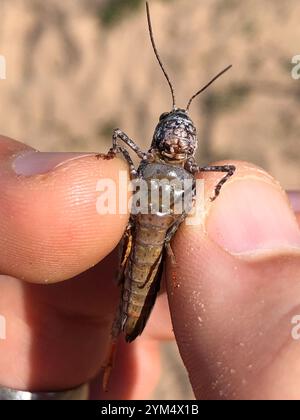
(238, 291)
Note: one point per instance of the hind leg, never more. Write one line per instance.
(109, 361)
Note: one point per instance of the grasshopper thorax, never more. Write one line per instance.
(175, 137)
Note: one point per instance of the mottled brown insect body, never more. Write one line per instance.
(149, 233)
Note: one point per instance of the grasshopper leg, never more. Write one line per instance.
(151, 271)
(109, 364)
(120, 135)
(172, 258)
(169, 249)
(192, 167)
(229, 169)
(171, 232)
(112, 153)
(171, 254)
(127, 247)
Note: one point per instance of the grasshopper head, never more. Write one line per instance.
(175, 136)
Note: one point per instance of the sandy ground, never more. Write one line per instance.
(70, 80)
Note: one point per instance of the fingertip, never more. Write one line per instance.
(50, 225)
(252, 215)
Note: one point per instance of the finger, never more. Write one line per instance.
(159, 326)
(50, 228)
(56, 335)
(239, 290)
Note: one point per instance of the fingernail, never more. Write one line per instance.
(253, 217)
(37, 163)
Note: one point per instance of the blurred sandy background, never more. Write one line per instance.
(78, 68)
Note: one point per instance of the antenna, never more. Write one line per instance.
(157, 55)
(206, 86)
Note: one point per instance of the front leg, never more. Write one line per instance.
(111, 154)
(120, 135)
(229, 169)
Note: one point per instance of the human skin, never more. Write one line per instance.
(236, 289)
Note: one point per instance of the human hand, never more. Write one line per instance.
(231, 317)
(58, 331)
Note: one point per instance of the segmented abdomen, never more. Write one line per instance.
(143, 265)
(141, 277)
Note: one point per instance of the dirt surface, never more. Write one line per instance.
(71, 77)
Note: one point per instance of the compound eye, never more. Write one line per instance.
(163, 116)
